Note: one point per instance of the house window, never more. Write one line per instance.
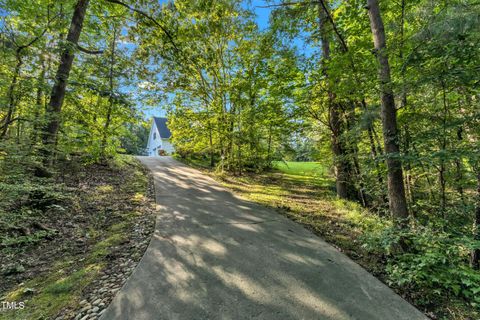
(154, 135)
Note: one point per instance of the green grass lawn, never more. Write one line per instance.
(309, 169)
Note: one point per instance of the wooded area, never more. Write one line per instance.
(385, 93)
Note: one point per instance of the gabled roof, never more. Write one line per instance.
(163, 130)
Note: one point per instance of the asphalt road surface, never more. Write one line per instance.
(216, 256)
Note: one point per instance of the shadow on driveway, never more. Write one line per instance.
(215, 256)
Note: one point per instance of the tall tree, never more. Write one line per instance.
(396, 189)
(111, 99)
(344, 185)
(58, 90)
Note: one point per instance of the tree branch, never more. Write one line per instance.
(327, 12)
(144, 14)
(21, 47)
(11, 121)
(334, 26)
(285, 4)
(82, 49)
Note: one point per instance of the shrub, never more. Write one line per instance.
(435, 264)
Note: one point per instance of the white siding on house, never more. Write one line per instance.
(153, 141)
(156, 143)
(167, 146)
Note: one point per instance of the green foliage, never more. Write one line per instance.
(241, 99)
(18, 241)
(136, 138)
(98, 113)
(435, 267)
(224, 105)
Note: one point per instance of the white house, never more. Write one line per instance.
(159, 138)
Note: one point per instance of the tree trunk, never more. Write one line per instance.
(269, 144)
(210, 142)
(459, 168)
(408, 168)
(374, 152)
(38, 102)
(111, 101)
(11, 96)
(341, 162)
(58, 90)
(404, 104)
(230, 152)
(352, 150)
(396, 190)
(443, 147)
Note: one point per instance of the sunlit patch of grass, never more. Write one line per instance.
(324, 182)
(309, 169)
(105, 188)
(360, 217)
(138, 185)
(138, 197)
(103, 247)
(119, 226)
(66, 284)
(122, 160)
(51, 294)
(134, 214)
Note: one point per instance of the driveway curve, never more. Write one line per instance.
(216, 256)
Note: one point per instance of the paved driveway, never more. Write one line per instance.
(215, 256)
